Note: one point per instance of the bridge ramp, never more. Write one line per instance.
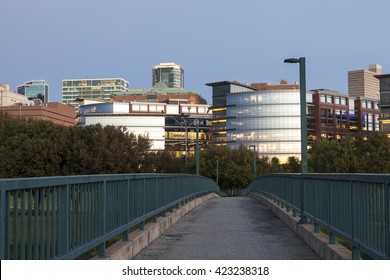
(228, 228)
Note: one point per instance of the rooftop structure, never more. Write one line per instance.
(36, 89)
(170, 75)
(362, 83)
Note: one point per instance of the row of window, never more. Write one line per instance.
(103, 83)
(265, 135)
(274, 97)
(265, 110)
(264, 123)
(339, 100)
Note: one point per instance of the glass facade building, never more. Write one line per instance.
(91, 88)
(169, 75)
(268, 120)
(36, 89)
(261, 115)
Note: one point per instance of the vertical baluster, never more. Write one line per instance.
(22, 225)
(30, 244)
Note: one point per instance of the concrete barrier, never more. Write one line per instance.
(318, 242)
(139, 239)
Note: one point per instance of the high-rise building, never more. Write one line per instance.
(91, 88)
(36, 89)
(362, 83)
(169, 75)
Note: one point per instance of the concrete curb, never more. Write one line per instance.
(139, 239)
(318, 242)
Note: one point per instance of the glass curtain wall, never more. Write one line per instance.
(270, 120)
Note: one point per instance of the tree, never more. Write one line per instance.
(293, 165)
(374, 154)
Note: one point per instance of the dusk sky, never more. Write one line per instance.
(214, 40)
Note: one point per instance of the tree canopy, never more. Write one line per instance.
(40, 148)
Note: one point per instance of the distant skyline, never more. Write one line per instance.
(214, 40)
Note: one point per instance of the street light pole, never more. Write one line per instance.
(302, 87)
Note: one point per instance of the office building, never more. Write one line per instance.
(268, 117)
(384, 104)
(362, 83)
(169, 126)
(261, 115)
(36, 89)
(332, 115)
(74, 89)
(170, 75)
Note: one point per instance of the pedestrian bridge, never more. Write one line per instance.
(68, 217)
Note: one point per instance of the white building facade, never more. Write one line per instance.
(148, 119)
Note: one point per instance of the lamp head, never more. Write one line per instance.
(291, 60)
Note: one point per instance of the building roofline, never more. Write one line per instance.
(230, 83)
(382, 76)
(94, 79)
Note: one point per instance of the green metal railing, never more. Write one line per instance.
(65, 217)
(353, 207)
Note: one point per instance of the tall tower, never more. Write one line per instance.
(169, 75)
(36, 89)
(362, 83)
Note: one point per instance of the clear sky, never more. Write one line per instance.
(214, 40)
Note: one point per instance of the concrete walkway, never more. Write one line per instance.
(227, 229)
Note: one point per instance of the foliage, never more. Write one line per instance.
(40, 148)
(351, 155)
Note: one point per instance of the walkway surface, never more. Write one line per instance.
(232, 228)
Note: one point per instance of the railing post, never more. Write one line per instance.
(332, 237)
(103, 220)
(354, 222)
(155, 201)
(165, 197)
(142, 224)
(64, 221)
(303, 218)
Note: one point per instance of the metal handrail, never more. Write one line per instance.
(65, 217)
(353, 207)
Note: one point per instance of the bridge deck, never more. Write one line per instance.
(227, 229)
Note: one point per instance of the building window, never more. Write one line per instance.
(323, 98)
(343, 101)
(329, 99)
